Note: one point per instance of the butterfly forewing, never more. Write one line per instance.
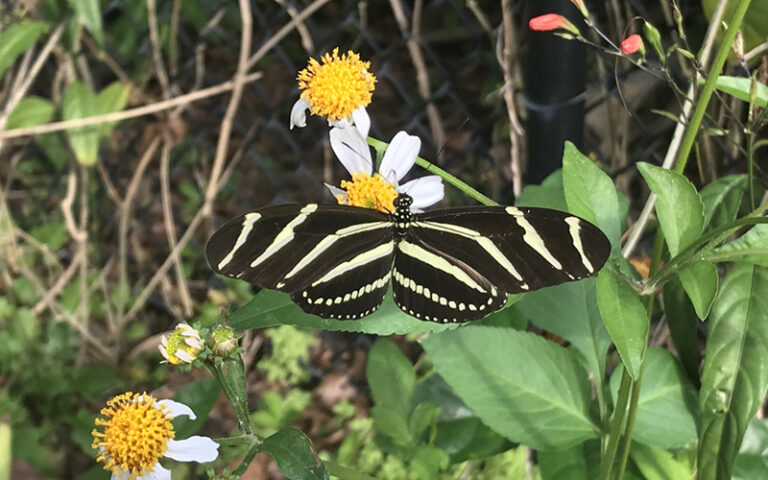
(517, 249)
(288, 247)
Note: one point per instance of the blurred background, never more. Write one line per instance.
(102, 230)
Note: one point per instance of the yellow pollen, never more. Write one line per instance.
(370, 192)
(136, 434)
(338, 86)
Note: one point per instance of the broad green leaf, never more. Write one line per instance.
(293, 454)
(722, 199)
(735, 374)
(740, 88)
(390, 376)
(752, 461)
(576, 463)
(112, 99)
(678, 206)
(29, 112)
(570, 311)
(666, 409)
(5, 451)
(754, 27)
(89, 14)
(392, 423)
(658, 464)
(699, 280)
(422, 417)
(200, 396)
(752, 247)
(625, 319)
(16, 39)
(270, 308)
(460, 433)
(590, 194)
(524, 387)
(79, 102)
(427, 461)
(547, 195)
(681, 318)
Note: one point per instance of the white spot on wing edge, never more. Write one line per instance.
(574, 228)
(250, 219)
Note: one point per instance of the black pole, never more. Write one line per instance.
(553, 92)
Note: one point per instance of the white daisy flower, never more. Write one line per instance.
(338, 89)
(138, 432)
(379, 190)
(182, 346)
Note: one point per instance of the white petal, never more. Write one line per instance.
(351, 150)
(424, 191)
(120, 476)
(299, 113)
(193, 449)
(337, 191)
(159, 473)
(163, 351)
(362, 121)
(177, 409)
(340, 123)
(400, 156)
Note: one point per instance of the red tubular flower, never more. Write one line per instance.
(551, 21)
(632, 44)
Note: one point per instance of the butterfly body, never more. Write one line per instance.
(450, 265)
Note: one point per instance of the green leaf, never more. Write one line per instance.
(293, 454)
(699, 280)
(270, 308)
(89, 14)
(735, 374)
(112, 99)
(590, 194)
(658, 464)
(752, 461)
(200, 396)
(424, 415)
(29, 112)
(682, 321)
(392, 423)
(625, 319)
(722, 199)
(576, 463)
(16, 39)
(752, 247)
(547, 195)
(524, 387)
(666, 408)
(79, 102)
(570, 311)
(740, 87)
(390, 376)
(428, 461)
(460, 433)
(678, 206)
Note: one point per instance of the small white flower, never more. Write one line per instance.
(138, 432)
(379, 190)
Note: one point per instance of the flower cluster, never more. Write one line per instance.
(339, 88)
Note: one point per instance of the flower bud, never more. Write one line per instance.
(182, 346)
(222, 341)
(552, 21)
(632, 44)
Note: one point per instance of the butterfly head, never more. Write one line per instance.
(402, 214)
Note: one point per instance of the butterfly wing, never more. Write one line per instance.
(517, 249)
(291, 247)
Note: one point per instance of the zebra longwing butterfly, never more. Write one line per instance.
(450, 265)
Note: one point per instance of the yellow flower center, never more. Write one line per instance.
(338, 86)
(370, 192)
(136, 434)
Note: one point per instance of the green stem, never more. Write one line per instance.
(253, 450)
(345, 473)
(627, 440)
(432, 168)
(230, 374)
(618, 421)
(709, 85)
